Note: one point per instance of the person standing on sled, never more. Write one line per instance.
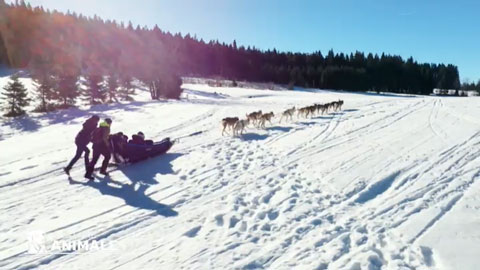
(101, 146)
(82, 139)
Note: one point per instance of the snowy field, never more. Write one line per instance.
(390, 182)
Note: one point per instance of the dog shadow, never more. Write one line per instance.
(325, 117)
(253, 137)
(307, 123)
(282, 129)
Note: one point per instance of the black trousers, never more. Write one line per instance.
(99, 149)
(81, 147)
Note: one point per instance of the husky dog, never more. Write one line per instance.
(264, 118)
(331, 106)
(302, 112)
(254, 117)
(311, 110)
(322, 108)
(240, 126)
(338, 105)
(228, 122)
(288, 114)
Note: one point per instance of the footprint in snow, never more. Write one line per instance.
(266, 227)
(272, 215)
(193, 232)
(233, 221)
(219, 220)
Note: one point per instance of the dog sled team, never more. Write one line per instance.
(260, 119)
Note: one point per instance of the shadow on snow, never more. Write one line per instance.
(253, 137)
(141, 176)
(147, 170)
(277, 128)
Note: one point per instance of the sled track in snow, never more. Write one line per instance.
(390, 119)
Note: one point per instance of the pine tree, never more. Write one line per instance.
(16, 98)
(112, 88)
(45, 93)
(3, 51)
(67, 90)
(126, 89)
(94, 92)
(173, 87)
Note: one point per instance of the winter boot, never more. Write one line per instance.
(89, 177)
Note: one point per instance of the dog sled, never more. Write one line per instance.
(126, 152)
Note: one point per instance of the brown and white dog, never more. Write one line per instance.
(288, 114)
(264, 118)
(311, 110)
(229, 122)
(302, 112)
(240, 126)
(254, 117)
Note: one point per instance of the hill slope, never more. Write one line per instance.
(387, 183)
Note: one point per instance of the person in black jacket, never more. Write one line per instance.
(101, 146)
(138, 138)
(82, 139)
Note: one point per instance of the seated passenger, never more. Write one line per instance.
(130, 152)
(118, 143)
(138, 138)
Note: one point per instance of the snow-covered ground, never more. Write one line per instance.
(390, 182)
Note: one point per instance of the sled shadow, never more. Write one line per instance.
(133, 195)
(283, 129)
(147, 170)
(253, 137)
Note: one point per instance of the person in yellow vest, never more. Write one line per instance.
(101, 146)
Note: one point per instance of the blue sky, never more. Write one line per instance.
(431, 31)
